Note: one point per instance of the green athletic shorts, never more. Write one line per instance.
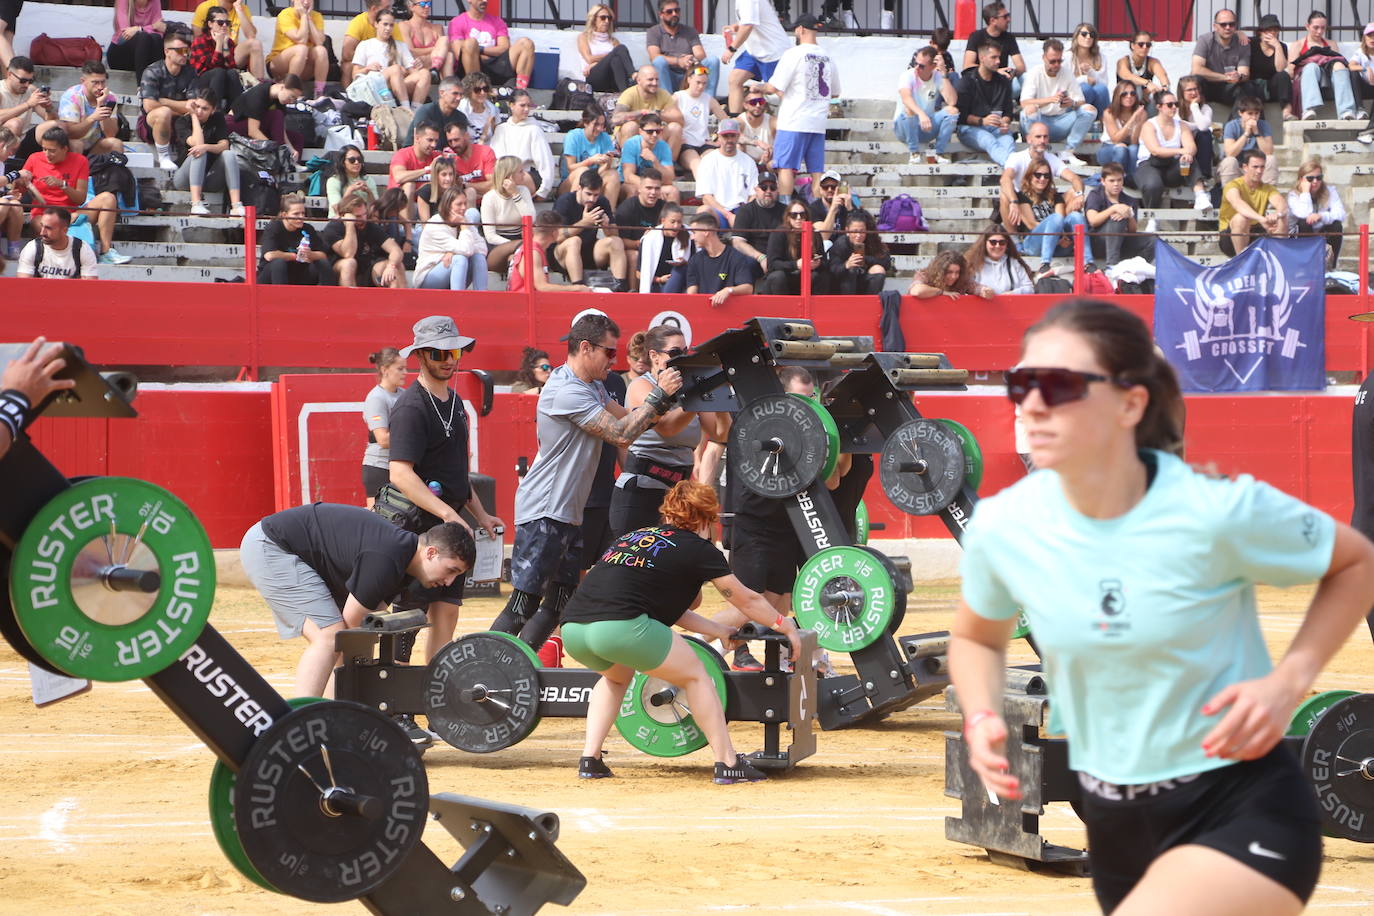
(642, 643)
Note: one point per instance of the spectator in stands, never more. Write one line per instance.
(590, 147)
(22, 105)
(298, 49)
(377, 406)
(636, 357)
(1362, 75)
(785, 259)
(1046, 225)
(996, 23)
(716, 269)
(452, 252)
(994, 264)
(1111, 213)
(642, 99)
(56, 255)
(1315, 208)
(1245, 205)
(11, 204)
(1089, 67)
(260, 113)
(205, 159)
(606, 62)
(830, 207)
(754, 219)
(533, 372)
(583, 213)
(521, 136)
(1014, 171)
(442, 176)
(410, 165)
(349, 178)
(547, 227)
(164, 90)
(503, 208)
(859, 261)
(1146, 73)
(726, 177)
(427, 40)
(407, 75)
(1247, 130)
(663, 256)
(137, 41)
(927, 109)
(392, 211)
(947, 275)
(697, 107)
(756, 127)
(361, 28)
(242, 32)
(807, 80)
(1222, 59)
(60, 178)
(1050, 96)
(675, 48)
(985, 103)
(293, 252)
(481, 111)
(1269, 65)
(1317, 62)
(87, 113)
(636, 160)
(443, 112)
(482, 43)
(473, 161)
(759, 40)
(636, 215)
(1166, 153)
(944, 61)
(1121, 126)
(214, 59)
(1197, 115)
(362, 252)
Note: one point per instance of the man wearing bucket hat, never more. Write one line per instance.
(575, 416)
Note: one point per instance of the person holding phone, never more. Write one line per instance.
(585, 213)
(87, 112)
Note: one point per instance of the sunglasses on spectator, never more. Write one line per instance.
(669, 12)
(603, 17)
(1229, 24)
(219, 21)
(797, 214)
(23, 81)
(756, 102)
(1057, 386)
(1168, 104)
(544, 366)
(673, 352)
(1040, 174)
(1316, 177)
(1131, 94)
(1144, 44)
(425, 3)
(997, 243)
(651, 130)
(353, 159)
(768, 186)
(1084, 33)
(610, 351)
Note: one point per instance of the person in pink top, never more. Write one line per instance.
(137, 40)
(481, 43)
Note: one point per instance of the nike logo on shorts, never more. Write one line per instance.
(1255, 849)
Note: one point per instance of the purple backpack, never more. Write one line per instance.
(901, 214)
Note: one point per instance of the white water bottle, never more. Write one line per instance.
(303, 249)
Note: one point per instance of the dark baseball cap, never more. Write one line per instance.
(810, 22)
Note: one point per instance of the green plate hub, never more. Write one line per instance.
(655, 716)
(832, 435)
(222, 814)
(846, 595)
(1312, 709)
(973, 453)
(113, 579)
(1022, 626)
(861, 524)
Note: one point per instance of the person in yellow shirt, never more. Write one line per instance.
(299, 44)
(247, 45)
(360, 28)
(1245, 202)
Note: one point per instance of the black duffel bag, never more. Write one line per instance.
(394, 506)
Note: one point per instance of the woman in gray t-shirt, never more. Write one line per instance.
(391, 378)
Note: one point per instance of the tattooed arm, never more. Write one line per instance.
(620, 426)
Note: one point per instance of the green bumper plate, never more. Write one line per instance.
(655, 717)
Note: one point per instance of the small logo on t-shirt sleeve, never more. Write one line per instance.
(1309, 528)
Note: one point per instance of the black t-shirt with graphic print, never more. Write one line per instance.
(655, 571)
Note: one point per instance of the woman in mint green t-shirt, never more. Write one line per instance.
(1137, 575)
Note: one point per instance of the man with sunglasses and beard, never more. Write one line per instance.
(575, 416)
(674, 48)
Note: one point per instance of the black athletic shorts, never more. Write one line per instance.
(764, 560)
(1261, 813)
(499, 68)
(373, 478)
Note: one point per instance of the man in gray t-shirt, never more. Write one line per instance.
(1222, 59)
(575, 416)
(675, 48)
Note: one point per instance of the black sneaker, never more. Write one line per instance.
(741, 771)
(745, 661)
(593, 768)
(419, 736)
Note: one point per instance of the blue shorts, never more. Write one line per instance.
(791, 148)
(761, 70)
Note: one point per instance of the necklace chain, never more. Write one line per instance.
(452, 405)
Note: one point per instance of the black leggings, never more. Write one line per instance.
(1332, 232)
(850, 282)
(634, 507)
(290, 272)
(613, 73)
(225, 82)
(1154, 175)
(135, 54)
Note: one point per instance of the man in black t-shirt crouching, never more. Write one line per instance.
(323, 567)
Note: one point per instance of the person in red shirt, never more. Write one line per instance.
(475, 162)
(57, 177)
(410, 166)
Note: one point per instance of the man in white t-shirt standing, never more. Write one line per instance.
(807, 79)
(726, 176)
(55, 254)
(757, 36)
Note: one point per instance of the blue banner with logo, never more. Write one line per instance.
(1255, 323)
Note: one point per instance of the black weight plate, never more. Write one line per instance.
(779, 445)
(898, 587)
(1338, 758)
(292, 796)
(482, 692)
(922, 467)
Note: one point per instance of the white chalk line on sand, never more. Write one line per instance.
(52, 825)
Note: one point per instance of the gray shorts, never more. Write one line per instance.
(293, 590)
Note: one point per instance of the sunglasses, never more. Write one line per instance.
(997, 243)
(756, 102)
(1168, 104)
(1130, 94)
(546, 367)
(1144, 44)
(354, 160)
(673, 352)
(1227, 25)
(796, 216)
(425, 3)
(602, 17)
(181, 50)
(219, 21)
(441, 356)
(1040, 174)
(1084, 33)
(672, 12)
(1057, 386)
(610, 351)
(22, 81)
(651, 130)
(768, 186)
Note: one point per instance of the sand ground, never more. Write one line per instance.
(105, 807)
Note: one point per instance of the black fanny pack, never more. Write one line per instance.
(393, 505)
(663, 473)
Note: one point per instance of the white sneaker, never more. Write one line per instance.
(1366, 137)
(166, 162)
(1351, 116)
(1151, 227)
(236, 210)
(1310, 114)
(1202, 201)
(936, 159)
(1075, 164)
(113, 257)
(199, 209)
(916, 159)
(889, 20)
